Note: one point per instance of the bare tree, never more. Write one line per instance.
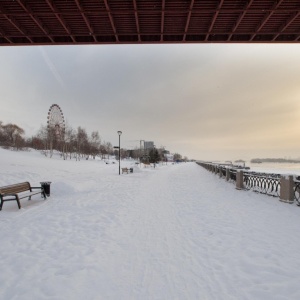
(43, 136)
(109, 148)
(68, 142)
(81, 142)
(12, 134)
(95, 142)
(2, 138)
(177, 157)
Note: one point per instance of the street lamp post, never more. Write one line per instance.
(141, 152)
(119, 133)
(154, 154)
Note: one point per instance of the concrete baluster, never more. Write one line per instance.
(287, 188)
(239, 180)
(227, 174)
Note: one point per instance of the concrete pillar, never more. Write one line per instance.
(227, 174)
(220, 173)
(287, 188)
(239, 180)
(216, 169)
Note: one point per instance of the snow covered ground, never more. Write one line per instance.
(173, 232)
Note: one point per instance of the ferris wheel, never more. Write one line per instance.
(56, 120)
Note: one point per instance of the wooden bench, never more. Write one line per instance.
(125, 170)
(11, 192)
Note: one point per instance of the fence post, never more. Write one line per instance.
(239, 180)
(227, 174)
(287, 188)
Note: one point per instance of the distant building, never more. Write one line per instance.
(148, 145)
(169, 157)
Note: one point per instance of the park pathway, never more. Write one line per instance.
(174, 232)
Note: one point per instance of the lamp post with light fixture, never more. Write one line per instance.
(119, 133)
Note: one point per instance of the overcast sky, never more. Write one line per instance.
(209, 102)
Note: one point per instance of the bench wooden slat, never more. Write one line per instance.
(15, 188)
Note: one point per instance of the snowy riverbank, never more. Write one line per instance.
(173, 232)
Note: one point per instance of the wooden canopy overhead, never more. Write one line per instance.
(70, 22)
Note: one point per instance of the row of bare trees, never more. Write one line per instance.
(73, 143)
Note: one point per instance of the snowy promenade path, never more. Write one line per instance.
(176, 232)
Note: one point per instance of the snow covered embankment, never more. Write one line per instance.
(174, 232)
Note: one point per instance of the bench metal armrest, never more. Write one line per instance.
(40, 188)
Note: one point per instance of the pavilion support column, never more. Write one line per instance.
(287, 189)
